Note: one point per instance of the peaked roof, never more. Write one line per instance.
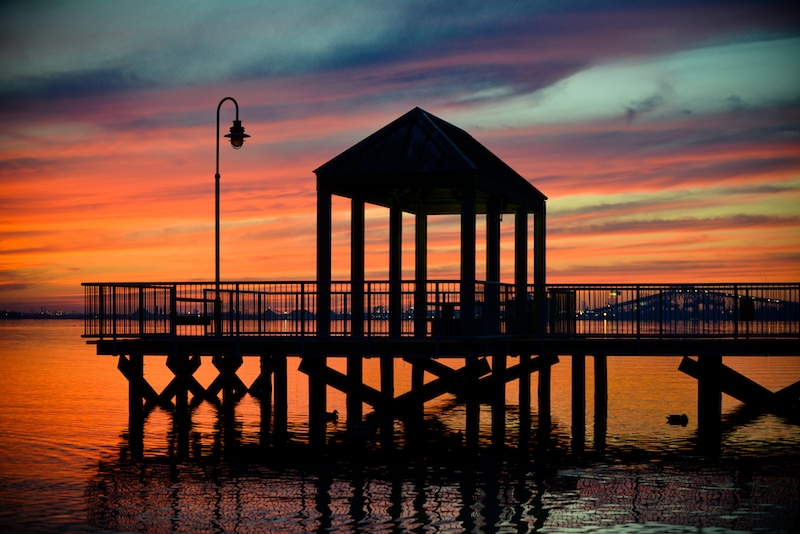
(424, 161)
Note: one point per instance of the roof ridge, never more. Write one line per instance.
(453, 145)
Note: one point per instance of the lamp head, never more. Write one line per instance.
(237, 135)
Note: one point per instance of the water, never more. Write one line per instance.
(65, 462)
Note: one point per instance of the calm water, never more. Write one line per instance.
(65, 464)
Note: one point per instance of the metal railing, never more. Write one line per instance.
(682, 310)
(133, 310)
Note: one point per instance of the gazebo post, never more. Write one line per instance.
(357, 255)
(491, 308)
(357, 258)
(521, 269)
(468, 212)
(324, 209)
(539, 271)
(421, 273)
(395, 268)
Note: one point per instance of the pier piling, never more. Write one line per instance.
(578, 402)
(600, 400)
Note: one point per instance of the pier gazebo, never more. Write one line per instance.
(423, 165)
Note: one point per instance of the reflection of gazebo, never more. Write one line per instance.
(423, 165)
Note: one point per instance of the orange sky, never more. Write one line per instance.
(663, 159)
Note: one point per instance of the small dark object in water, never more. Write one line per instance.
(682, 419)
(331, 417)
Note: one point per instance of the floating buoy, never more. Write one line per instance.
(682, 419)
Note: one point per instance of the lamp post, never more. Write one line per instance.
(237, 137)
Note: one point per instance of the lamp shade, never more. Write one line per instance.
(237, 135)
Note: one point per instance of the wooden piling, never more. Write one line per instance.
(417, 383)
(135, 375)
(281, 396)
(317, 400)
(473, 410)
(709, 401)
(264, 392)
(355, 370)
(525, 400)
(578, 401)
(543, 392)
(499, 364)
(387, 392)
(600, 401)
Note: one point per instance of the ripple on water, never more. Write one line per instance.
(344, 496)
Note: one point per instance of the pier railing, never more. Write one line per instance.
(133, 310)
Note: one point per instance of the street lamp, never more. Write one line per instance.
(237, 137)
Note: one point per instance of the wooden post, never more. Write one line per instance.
(539, 269)
(355, 369)
(279, 374)
(417, 383)
(600, 401)
(135, 406)
(473, 411)
(317, 400)
(395, 269)
(324, 249)
(491, 310)
(467, 296)
(421, 274)
(521, 270)
(709, 402)
(499, 365)
(578, 402)
(357, 255)
(543, 391)
(525, 400)
(179, 364)
(387, 390)
(265, 392)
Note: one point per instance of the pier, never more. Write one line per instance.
(457, 335)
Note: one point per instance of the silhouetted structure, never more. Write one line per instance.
(424, 166)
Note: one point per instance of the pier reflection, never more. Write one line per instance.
(209, 469)
(229, 479)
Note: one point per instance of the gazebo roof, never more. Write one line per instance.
(426, 163)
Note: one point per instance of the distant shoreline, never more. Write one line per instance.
(13, 315)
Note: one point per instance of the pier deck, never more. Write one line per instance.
(187, 322)
(760, 319)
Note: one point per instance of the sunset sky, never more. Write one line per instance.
(666, 135)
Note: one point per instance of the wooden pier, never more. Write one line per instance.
(701, 329)
(447, 329)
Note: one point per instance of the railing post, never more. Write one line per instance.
(345, 330)
(369, 308)
(141, 310)
(259, 306)
(300, 308)
(173, 302)
(238, 310)
(101, 310)
(638, 314)
(735, 312)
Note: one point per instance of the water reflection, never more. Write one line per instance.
(235, 484)
(218, 475)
